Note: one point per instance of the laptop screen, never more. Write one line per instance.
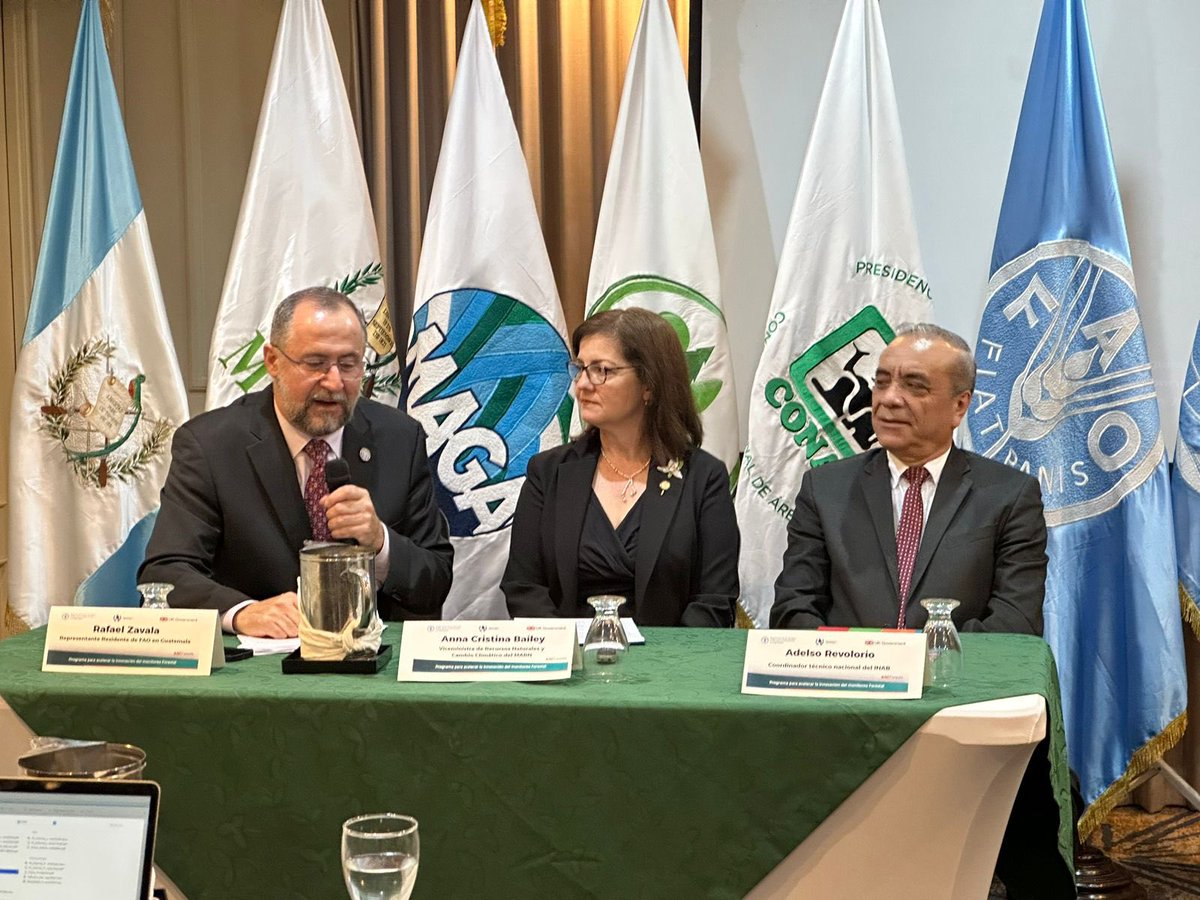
(70, 840)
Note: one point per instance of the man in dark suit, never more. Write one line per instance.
(981, 535)
(872, 535)
(246, 486)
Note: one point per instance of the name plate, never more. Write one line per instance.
(118, 641)
(541, 650)
(863, 663)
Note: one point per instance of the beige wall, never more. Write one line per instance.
(190, 75)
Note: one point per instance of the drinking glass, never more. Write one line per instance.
(943, 649)
(606, 643)
(154, 594)
(380, 855)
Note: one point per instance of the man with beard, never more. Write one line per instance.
(246, 487)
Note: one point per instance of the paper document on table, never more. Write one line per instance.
(631, 630)
(856, 663)
(267, 646)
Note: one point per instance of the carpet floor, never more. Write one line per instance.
(1161, 850)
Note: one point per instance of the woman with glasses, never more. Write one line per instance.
(633, 506)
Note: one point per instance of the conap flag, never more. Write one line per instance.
(98, 392)
(654, 238)
(305, 218)
(487, 362)
(1065, 393)
(849, 273)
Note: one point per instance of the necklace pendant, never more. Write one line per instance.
(629, 487)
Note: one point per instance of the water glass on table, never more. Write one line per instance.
(943, 649)
(380, 856)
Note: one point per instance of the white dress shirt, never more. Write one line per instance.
(928, 488)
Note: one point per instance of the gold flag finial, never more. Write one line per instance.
(108, 24)
(497, 20)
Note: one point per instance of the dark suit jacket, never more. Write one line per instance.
(685, 571)
(232, 519)
(984, 545)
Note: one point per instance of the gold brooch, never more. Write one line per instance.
(673, 469)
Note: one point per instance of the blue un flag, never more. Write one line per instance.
(1185, 490)
(1066, 394)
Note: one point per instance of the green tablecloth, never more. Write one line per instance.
(671, 785)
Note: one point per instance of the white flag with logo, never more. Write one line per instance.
(488, 355)
(654, 239)
(98, 392)
(305, 218)
(850, 271)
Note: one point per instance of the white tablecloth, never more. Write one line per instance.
(927, 824)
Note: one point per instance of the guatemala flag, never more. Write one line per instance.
(1066, 394)
(98, 392)
(1185, 490)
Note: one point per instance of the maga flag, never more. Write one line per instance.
(488, 355)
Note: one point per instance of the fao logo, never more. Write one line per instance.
(1065, 391)
(488, 382)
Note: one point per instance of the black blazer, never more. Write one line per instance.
(984, 545)
(685, 572)
(232, 519)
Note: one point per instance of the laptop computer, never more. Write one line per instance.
(76, 839)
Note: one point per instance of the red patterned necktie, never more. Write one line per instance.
(316, 488)
(908, 535)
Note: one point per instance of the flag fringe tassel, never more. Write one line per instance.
(1145, 757)
(1191, 611)
(497, 20)
(12, 624)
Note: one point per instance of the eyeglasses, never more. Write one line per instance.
(347, 366)
(597, 373)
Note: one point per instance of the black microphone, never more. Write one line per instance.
(337, 473)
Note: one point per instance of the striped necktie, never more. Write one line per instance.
(908, 535)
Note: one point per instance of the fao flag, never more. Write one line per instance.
(1065, 393)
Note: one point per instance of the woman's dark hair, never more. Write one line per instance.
(648, 343)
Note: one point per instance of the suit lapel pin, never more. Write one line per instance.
(365, 454)
(673, 469)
